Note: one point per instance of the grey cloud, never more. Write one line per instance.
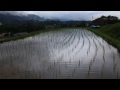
(14, 12)
(68, 15)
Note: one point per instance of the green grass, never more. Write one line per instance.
(111, 33)
(6, 39)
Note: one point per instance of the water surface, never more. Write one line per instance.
(63, 54)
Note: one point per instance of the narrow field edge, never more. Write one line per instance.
(112, 41)
(30, 34)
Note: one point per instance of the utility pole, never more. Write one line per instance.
(92, 18)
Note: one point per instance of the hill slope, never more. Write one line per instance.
(112, 30)
(110, 33)
(15, 19)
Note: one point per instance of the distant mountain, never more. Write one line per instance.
(14, 19)
(7, 18)
(34, 17)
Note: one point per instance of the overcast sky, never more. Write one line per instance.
(68, 15)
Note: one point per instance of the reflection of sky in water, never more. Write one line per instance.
(70, 53)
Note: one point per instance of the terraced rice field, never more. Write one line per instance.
(63, 54)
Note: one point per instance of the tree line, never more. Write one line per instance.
(103, 20)
(34, 25)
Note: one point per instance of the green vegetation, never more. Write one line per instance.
(110, 32)
(31, 25)
(104, 20)
(22, 36)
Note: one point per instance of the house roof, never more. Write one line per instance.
(0, 23)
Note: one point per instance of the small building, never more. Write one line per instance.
(15, 35)
(1, 35)
(22, 33)
(0, 23)
(86, 24)
(19, 34)
(50, 27)
(95, 26)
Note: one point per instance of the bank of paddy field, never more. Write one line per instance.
(110, 32)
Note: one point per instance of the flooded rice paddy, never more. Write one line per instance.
(63, 54)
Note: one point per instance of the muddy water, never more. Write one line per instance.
(63, 54)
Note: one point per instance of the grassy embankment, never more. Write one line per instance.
(110, 32)
(6, 39)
